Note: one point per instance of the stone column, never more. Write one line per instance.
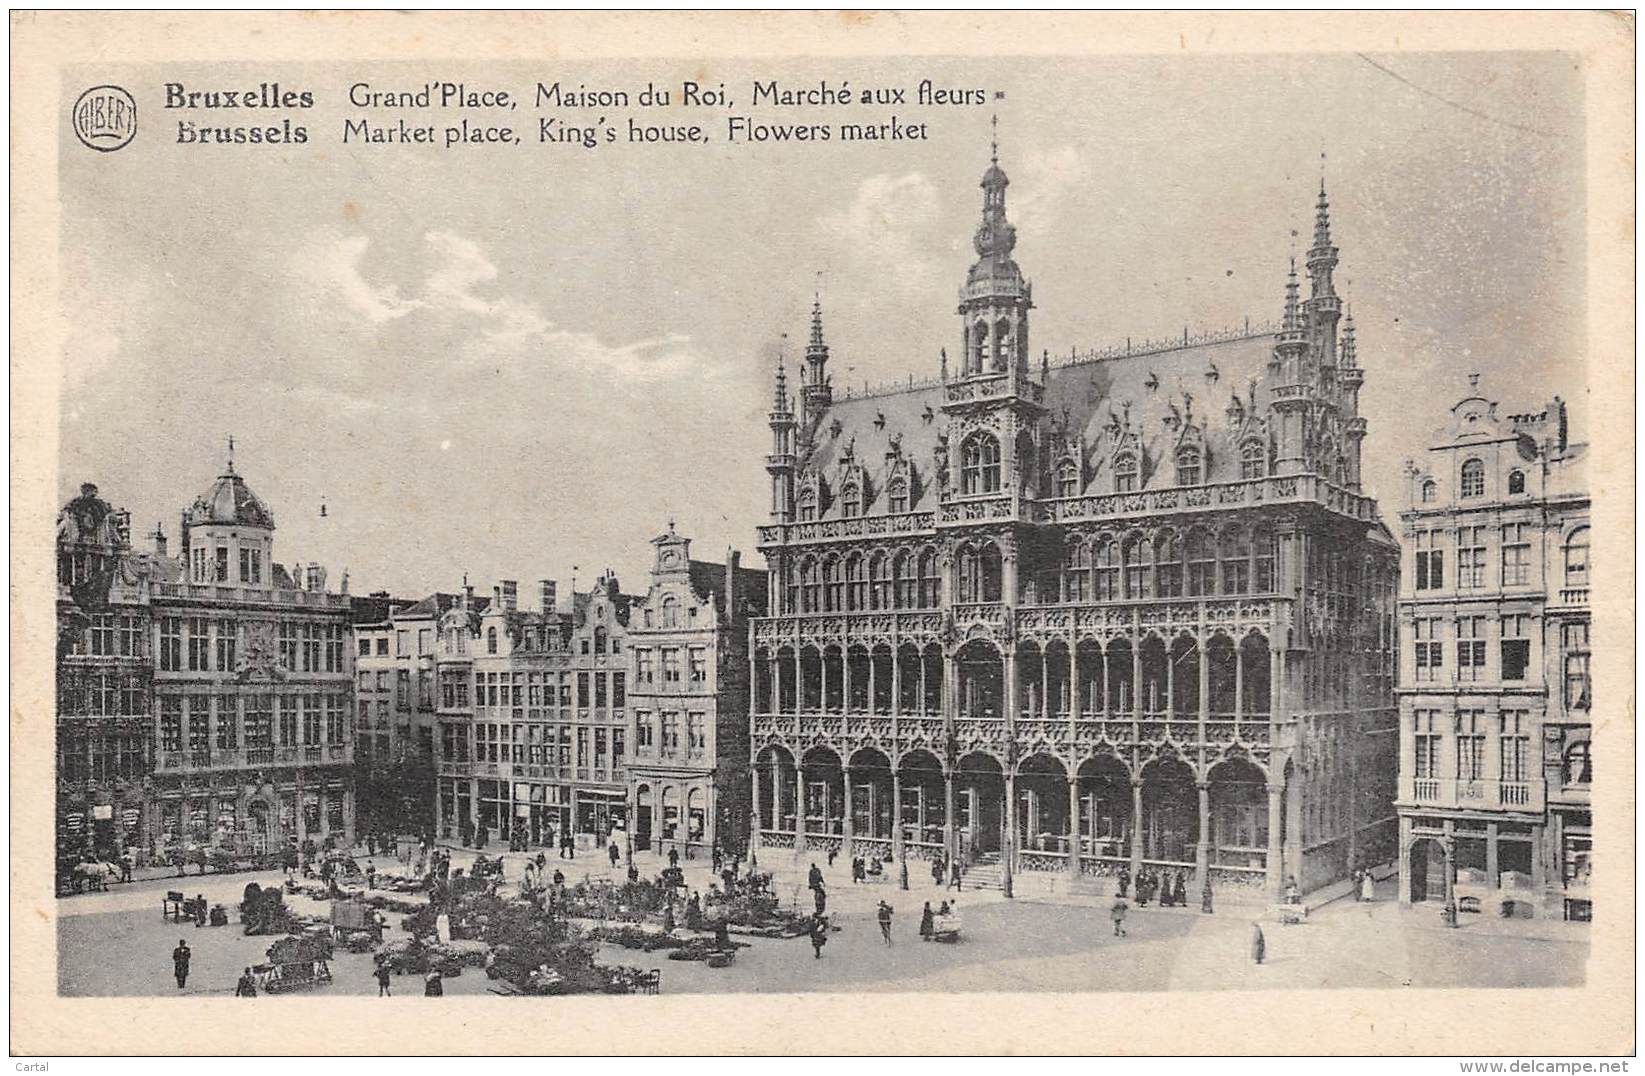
(799, 809)
(1492, 879)
(896, 680)
(948, 847)
(850, 826)
(1202, 851)
(1276, 825)
(754, 820)
(1136, 827)
(799, 686)
(1008, 858)
(1074, 838)
(898, 850)
(1239, 684)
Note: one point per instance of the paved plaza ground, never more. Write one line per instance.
(115, 943)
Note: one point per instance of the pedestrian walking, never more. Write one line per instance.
(1117, 914)
(936, 871)
(832, 852)
(199, 910)
(821, 896)
(1180, 897)
(382, 975)
(247, 986)
(884, 916)
(814, 877)
(819, 936)
(126, 864)
(1368, 887)
(926, 921)
(615, 853)
(1259, 944)
(673, 857)
(542, 861)
(954, 876)
(180, 957)
(1124, 880)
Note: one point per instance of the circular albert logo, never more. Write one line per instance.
(104, 118)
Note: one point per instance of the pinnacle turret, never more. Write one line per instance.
(1292, 320)
(1350, 359)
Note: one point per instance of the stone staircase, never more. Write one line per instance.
(986, 873)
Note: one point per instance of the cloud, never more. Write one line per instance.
(889, 228)
(338, 264)
(1047, 180)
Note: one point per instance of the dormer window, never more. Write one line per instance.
(851, 502)
(599, 640)
(1253, 461)
(1125, 472)
(1430, 490)
(808, 505)
(1068, 479)
(671, 612)
(491, 640)
(1189, 469)
(1473, 479)
(897, 496)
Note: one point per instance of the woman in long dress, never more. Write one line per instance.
(1259, 945)
(1367, 887)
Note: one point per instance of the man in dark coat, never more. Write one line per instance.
(819, 936)
(884, 916)
(815, 877)
(1259, 944)
(433, 986)
(954, 877)
(382, 980)
(1124, 880)
(247, 986)
(1180, 897)
(673, 857)
(821, 896)
(179, 962)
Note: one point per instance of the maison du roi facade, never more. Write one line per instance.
(203, 698)
(623, 717)
(1495, 696)
(1127, 608)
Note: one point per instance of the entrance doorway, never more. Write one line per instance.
(1427, 869)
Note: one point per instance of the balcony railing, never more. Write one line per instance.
(862, 527)
(1478, 794)
(222, 592)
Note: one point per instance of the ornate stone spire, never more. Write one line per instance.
(1350, 359)
(1292, 320)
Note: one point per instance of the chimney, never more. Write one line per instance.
(159, 537)
(509, 595)
(316, 577)
(550, 599)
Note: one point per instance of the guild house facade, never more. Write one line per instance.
(1127, 608)
(204, 699)
(1495, 696)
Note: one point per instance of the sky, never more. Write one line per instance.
(509, 362)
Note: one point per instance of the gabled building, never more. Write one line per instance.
(687, 770)
(1496, 700)
(1126, 608)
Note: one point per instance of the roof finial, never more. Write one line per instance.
(994, 140)
(231, 453)
(1473, 382)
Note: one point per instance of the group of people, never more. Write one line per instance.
(928, 919)
(1170, 887)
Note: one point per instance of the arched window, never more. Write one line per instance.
(1125, 472)
(1028, 464)
(1139, 568)
(491, 640)
(904, 588)
(1190, 471)
(1253, 460)
(1262, 557)
(979, 348)
(851, 501)
(1202, 563)
(791, 603)
(671, 612)
(1576, 558)
(1577, 767)
(928, 580)
(811, 586)
(980, 465)
(1068, 479)
(1516, 481)
(856, 597)
(599, 640)
(1167, 566)
(1430, 490)
(833, 585)
(808, 505)
(897, 495)
(1106, 579)
(1076, 573)
(1003, 350)
(1473, 478)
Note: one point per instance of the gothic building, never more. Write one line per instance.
(1495, 697)
(203, 699)
(1127, 608)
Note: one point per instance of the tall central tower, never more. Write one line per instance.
(995, 301)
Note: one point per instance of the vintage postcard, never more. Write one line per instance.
(938, 526)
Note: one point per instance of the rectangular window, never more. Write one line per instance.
(423, 639)
(402, 641)
(199, 644)
(1516, 554)
(288, 647)
(334, 648)
(617, 747)
(1430, 561)
(228, 722)
(601, 688)
(671, 666)
(582, 690)
(644, 738)
(102, 635)
(1573, 643)
(1430, 648)
(696, 732)
(130, 640)
(365, 648)
(171, 644)
(311, 721)
(334, 720)
(245, 565)
(1516, 647)
(1516, 745)
(619, 696)
(402, 688)
(1470, 631)
(1470, 745)
(221, 575)
(565, 691)
(1427, 741)
(643, 671)
(259, 721)
(199, 729)
(1470, 557)
(288, 721)
(382, 647)
(582, 747)
(699, 666)
(671, 733)
(227, 638)
(171, 723)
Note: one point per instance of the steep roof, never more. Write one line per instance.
(230, 501)
(708, 578)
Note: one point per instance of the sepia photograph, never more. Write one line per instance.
(847, 522)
